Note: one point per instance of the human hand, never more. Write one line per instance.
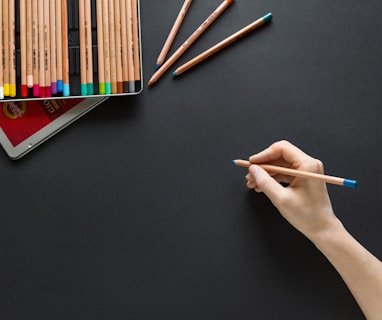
(304, 203)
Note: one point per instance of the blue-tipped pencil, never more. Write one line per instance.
(301, 174)
(236, 36)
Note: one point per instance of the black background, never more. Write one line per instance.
(136, 211)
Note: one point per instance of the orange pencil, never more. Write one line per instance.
(189, 41)
(222, 44)
(173, 32)
(301, 174)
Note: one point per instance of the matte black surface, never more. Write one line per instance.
(136, 211)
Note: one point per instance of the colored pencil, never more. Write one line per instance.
(236, 36)
(81, 13)
(35, 50)
(6, 48)
(41, 49)
(113, 65)
(118, 45)
(59, 46)
(65, 49)
(53, 46)
(130, 45)
(47, 66)
(1, 53)
(189, 41)
(106, 45)
(301, 174)
(173, 32)
(29, 63)
(101, 64)
(136, 45)
(124, 44)
(89, 47)
(23, 48)
(12, 43)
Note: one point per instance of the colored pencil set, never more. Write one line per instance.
(65, 48)
(162, 65)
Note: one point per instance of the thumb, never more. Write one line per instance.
(266, 184)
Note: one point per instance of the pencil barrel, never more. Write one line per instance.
(56, 48)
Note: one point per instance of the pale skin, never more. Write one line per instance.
(306, 205)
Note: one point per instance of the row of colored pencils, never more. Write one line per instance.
(44, 39)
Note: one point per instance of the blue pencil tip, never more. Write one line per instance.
(157, 66)
(174, 73)
(350, 183)
(267, 17)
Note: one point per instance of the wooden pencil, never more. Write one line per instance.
(89, 47)
(41, 49)
(118, 45)
(106, 45)
(47, 66)
(136, 45)
(198, 32)
(124, 43)
(204, 55)
(29, 53)
(298, 173)
(1, 53)
(23, 47)
(65, 49)
(173, 32)
(130, 50)
(81, 13)
(113, 64)
(6, 46)
(100, 40)
(59, 46)
(53, 47)
(35, 49)
(12, 54)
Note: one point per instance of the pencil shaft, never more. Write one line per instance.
(136, 51)
(59, 46)
(53, 47)
(106, 45)
(101, 64)
(29, 66)
(6, 48)
(35, 49)
(23, 49)
(190, 41)
(130, 45)
(173, 32)
(236, 36)
(118, 45)
(1, 53)
(113, 65)
(12, 43)
(299, 173)
(65, 52)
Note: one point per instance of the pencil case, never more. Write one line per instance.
(55, 49)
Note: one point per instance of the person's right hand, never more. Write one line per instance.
(304, 203)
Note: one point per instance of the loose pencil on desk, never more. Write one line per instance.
(174, 30)
(254, 25)
(301, 174)
(198, 32)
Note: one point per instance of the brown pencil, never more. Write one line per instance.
(118, 45)
(198, 32)
(124, 43)
(6, 46)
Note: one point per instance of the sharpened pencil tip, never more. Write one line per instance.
(174, 73)
(157, 66)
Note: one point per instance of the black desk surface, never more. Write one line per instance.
(136, 211)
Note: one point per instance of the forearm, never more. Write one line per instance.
(360, 270)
